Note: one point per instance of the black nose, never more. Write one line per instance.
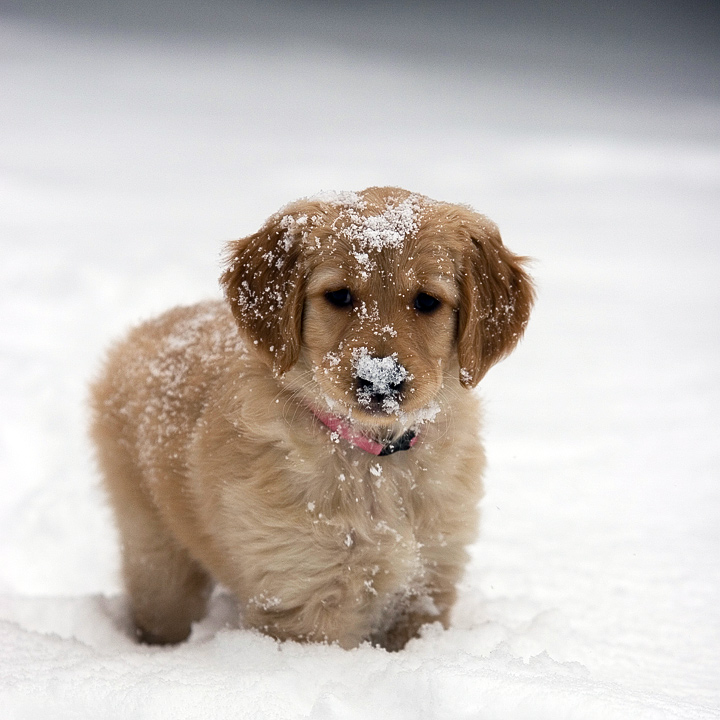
(368, 387)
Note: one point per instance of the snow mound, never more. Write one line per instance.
(78, 657)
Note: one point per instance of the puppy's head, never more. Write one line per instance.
(378, 297)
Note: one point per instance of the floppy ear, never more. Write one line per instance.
(496, 296)
(264, 284)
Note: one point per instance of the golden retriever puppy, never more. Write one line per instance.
(312, 443)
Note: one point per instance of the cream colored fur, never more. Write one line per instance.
(219, 471)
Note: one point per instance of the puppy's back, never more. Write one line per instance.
(156, 380)
(149, 398)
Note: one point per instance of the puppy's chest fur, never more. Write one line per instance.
(356, 525)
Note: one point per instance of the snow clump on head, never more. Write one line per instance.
(342, 197)
(388, 229)
(372, 234)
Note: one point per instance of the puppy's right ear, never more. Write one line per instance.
(264, 284)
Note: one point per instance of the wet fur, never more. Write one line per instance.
(218, 470)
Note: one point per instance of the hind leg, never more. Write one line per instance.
(168, 590)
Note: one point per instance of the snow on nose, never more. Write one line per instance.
(381, 375)
(379, 379)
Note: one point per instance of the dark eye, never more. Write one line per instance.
(339, 298)
(425, 303)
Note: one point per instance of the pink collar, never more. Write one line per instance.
(345, 431)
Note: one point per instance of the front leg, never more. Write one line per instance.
(432, 603)
(419, 611)
(336, 605)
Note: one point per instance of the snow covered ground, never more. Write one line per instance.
(135, 140)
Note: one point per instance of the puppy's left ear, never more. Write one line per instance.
(265, 286)
(496, 296)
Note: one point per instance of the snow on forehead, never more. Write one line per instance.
(387, 229)
(333, 197)
(370, 225)
(295, 223)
